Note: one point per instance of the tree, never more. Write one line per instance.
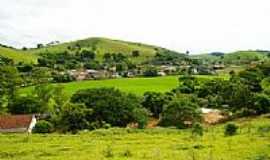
(40, 45)
(135, 53)
(261, 103)
(141, 117)
(25, 105)
(187, 84)
(87, 55)
(109, 105)
(154, 102)
(252, 78)
(10, 80)
(74, 117)
(150, 72)
(180, 113)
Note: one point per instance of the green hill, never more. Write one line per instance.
(18, 55)
(99, 45)
(239, 57)
(102, 46)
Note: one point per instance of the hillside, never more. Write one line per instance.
(238, 57)
(99, 45)
(102, 46)
(18, 55)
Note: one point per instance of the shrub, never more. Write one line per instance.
(231, 129)
(180, 113)
(109, 105)
(262, 103)
(197, 129)
(43, 127)
(154, 102)
(141, 117)
(150, 72)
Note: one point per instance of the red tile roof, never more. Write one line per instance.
(15, 121)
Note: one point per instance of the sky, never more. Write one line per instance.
(198, 26)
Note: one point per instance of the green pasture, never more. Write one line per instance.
(251, 143)
(137, 86)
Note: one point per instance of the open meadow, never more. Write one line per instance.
(251, 143)
(137, 86)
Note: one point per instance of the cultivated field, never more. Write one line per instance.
(251, 143)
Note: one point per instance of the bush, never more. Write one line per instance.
(181, 113)
(43, 127)
(197, 129)
(154, 102)
(262, 104)
(141, 117)
(231, 129)
(109, 105)
(150, 72)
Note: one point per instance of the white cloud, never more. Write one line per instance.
(199, 26)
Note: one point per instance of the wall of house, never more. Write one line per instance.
(13, 130)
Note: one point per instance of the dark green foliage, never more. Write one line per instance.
(187, 85)
(43, 127)
(164, 56)
(261, 103)
(25, 105)
(74, 117)
(252, 78)
(62, 78)
(5, 61)
(92, 65)
(150, 72)
(86, 55)
(10, 81)
(135, 53)
(197, 129)
(141, 117)
(230, 129)
(180, 113)
(154, 102)
(109, 105)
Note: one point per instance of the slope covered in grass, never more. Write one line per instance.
(18, 55)
(251, 143)
(102, 46)
(239, 57)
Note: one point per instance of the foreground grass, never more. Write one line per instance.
(250, 143)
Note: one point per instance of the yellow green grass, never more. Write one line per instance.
(18, 55)
(150, 144)
(137, 86)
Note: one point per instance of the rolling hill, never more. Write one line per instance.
(235, 57)
(99, 45)
(104, 45)
(18, 55)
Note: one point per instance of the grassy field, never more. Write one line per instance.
(251, 143)
(137, 86)
(18, 55)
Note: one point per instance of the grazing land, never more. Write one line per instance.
(137, 86)
(251, 143)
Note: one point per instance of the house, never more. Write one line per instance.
(17, 123)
